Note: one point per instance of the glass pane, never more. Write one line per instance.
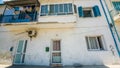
(66, 8)
(56, 8)
(75, 9)
(25, 46)
(23, 58)
(87, 13)
(56, 57)
(20, 46)
(87, 40)
(56, 45)
(44, 10)
(93, 43)
(70, 8)
(100, 43)
(18, 58)
(61, 8)
(51, 9)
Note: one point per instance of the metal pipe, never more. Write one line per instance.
(116, 45)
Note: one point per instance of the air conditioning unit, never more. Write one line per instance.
(32, 33)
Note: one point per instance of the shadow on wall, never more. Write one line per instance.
(87, 66)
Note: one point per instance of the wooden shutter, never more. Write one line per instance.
(80, 10)
(96, 11)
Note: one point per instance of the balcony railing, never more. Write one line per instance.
(18, 18)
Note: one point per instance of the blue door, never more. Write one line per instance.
(20, 52)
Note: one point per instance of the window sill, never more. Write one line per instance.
(97, 50)
(58, 15)
(90, 17)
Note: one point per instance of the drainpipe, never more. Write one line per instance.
(116, 45)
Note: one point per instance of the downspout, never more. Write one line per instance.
(116, 45)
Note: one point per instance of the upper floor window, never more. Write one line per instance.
(116, 5)
(89, 12)
(44, 10)
(56, 9)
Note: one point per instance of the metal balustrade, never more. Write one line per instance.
(18, 18)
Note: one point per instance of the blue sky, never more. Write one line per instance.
(1, 1)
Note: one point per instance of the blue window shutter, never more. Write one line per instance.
(96, 11)
(80, 10)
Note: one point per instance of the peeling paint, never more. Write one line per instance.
(5, 58)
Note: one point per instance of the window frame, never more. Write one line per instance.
(58, 13)
(87, 38)
(44, 11)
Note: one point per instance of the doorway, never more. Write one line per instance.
(20, 52)
(56, 52)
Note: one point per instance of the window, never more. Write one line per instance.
(56, 45)
(56, 9)
(44, 10)
(52, 10)
(88, 13)
(95, 43)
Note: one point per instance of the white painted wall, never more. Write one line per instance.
(5, 44)
(73, 43)
(73, 47)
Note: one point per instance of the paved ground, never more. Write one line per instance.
(22, 66)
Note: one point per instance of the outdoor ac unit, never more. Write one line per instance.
(32, 33)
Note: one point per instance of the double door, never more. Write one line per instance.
(20, 52)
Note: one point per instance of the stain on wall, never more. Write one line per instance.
(5, 58)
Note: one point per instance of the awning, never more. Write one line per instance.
(22, 3)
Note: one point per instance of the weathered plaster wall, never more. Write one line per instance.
(73, 47)
(5, 44)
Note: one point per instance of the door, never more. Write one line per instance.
(56, 52)
(20, 52)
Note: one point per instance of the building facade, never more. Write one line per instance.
(58, 32)
(113, 6)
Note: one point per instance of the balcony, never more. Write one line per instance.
(20, 11)
(18, 18)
